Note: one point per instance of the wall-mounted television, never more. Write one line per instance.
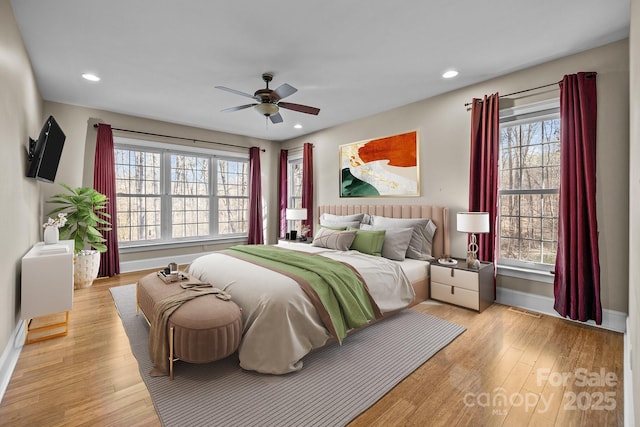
(45, 152)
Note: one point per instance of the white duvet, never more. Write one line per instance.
(280, 323)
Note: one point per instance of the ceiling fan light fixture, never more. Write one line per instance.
(267, 109)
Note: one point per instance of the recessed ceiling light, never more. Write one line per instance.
(91, 77)
(297, 126)
(449, 74)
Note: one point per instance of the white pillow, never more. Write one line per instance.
(334, 239)
(421, 239)
(396, 241)
(331, 220)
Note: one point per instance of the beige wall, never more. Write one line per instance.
(77, 123)
(20, 117)
(443, 124)
(634, 204)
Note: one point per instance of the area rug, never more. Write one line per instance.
(336, 384)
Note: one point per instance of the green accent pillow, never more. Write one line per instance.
(369, 242)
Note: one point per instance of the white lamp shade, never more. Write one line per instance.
(473, 222)
(296, 214)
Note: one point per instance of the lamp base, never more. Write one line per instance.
(472, 261)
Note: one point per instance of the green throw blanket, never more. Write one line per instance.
(344, 301)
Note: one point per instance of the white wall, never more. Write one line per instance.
(20, 117)
(444, 126)
(634, 203)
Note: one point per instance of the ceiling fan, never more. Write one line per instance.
(270, 101)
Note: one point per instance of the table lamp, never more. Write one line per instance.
(473, 222)
(295, 215)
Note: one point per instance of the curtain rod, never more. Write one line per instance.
(520, 91)
(590, 75)
(178, 137)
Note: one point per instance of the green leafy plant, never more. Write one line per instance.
(86, 217)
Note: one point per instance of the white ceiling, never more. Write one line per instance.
(161, 59)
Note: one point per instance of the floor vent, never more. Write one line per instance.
(525, 312)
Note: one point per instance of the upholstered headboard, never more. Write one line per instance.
(439, 215)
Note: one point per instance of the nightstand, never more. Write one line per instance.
(461, 285)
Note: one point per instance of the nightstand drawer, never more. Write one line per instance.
(455, 295)
(455, 277)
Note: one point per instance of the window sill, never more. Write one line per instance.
(525, 273)
(180, 244)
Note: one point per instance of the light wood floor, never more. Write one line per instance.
(505, 370)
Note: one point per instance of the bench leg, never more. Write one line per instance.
(171, 353)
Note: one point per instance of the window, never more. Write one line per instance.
(177, 194)
(294, 178)
(529, 180)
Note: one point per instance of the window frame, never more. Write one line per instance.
(532, 112)
(292, 160)
(165, 151)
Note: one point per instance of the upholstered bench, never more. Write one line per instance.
(201, 330)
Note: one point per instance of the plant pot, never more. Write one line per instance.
(85, 268)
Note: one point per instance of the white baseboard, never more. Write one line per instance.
(629, 419)
(10, 356)
(147, 264)
(611, 319)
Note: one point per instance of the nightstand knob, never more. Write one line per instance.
(452, 274)
(452, 290)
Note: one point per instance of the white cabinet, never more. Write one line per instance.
(47, 284)
(462, 285)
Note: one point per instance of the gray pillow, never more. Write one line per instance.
(332, 217)
(340, 224)
(421, 239)
(396, 242)
(334, 239)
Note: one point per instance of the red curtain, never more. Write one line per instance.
(256, 236)
(483, 174)
(307, 185)
(577, 274)
(283, 192)
(104, 181)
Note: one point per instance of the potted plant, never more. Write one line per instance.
(86, 220)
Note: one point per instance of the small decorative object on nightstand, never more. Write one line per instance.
(458, 284)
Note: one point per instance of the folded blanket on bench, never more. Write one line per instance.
(162, 310)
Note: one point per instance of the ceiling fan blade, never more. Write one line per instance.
(285, 90)
(276, 118)
(301, 108)
(237, 92)
(239, 107)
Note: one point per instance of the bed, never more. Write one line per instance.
(281, 321)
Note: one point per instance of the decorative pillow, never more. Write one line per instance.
(341, 220)
(332, 217)
(421, 239)
(396, 242)
(343, 224)
(334, 239)
(333, 228)
(369, 242)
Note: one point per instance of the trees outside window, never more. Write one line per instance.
(176, 195)
(529, 180)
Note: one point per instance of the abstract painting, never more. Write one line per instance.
(381, 167)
